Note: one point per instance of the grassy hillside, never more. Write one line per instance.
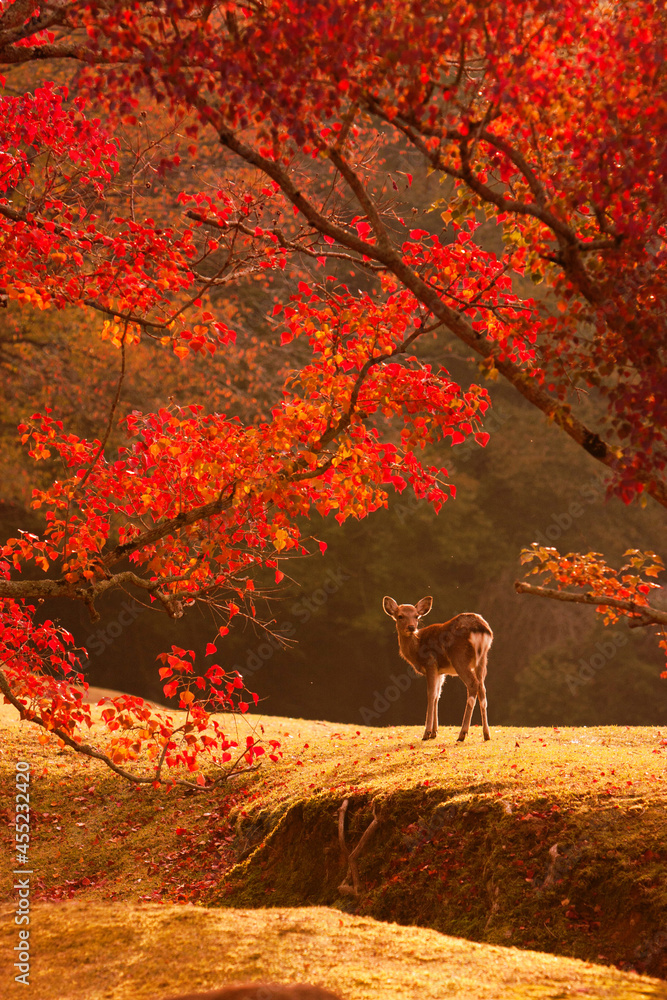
(94, 951)
(548, 840)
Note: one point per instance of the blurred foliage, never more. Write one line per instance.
(530, 483)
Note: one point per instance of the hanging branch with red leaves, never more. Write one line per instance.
(541, 119)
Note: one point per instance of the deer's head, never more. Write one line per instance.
(407, 616)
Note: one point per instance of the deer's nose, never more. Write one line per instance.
(411, 628)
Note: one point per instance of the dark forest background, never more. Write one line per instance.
(551, 663)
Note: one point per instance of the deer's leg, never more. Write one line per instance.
(433, 686)
(439, 681)
(467, 715)
(429, 712)
(482, 708)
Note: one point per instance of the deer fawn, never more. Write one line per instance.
(459, 646)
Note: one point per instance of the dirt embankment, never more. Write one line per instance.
(550, 840)
(589, 883)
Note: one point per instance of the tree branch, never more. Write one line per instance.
(644, 614)
(20, 590)
(87, 751)
(174, 524)
(455, 322)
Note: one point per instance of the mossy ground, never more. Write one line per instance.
(551, 840)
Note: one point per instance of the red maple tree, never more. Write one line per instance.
(545, 121)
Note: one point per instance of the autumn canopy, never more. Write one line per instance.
(157, 157)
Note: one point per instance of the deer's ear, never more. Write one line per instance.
(390, 606)
(424, 606)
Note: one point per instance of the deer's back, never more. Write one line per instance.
(450, 638)
(458, 626)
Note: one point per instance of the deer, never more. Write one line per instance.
(458, 646)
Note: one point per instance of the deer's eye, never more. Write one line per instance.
(400, 616)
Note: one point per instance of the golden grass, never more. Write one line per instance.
(91, 951)
(114, 850)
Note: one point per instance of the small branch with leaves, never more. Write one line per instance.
(640, 615)
(615, 593)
